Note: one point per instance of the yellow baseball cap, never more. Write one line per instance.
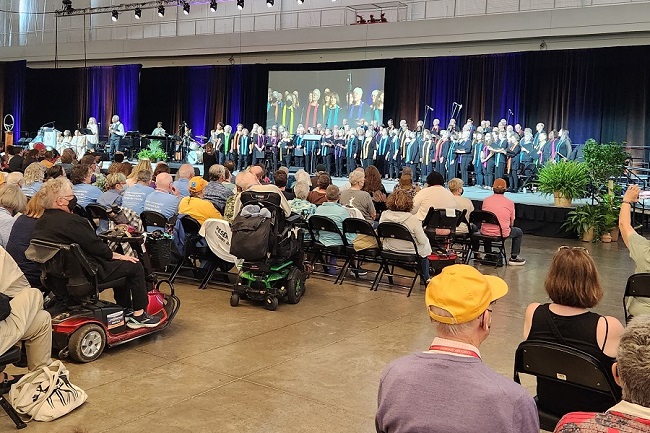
(464, 292)
(197, 184)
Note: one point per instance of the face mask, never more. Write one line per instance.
(72, 203)
(93, 178)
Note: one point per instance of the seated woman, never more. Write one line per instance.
(317, 196)
(573, 284)
(399, 205)
(373, 186)
(33, 180)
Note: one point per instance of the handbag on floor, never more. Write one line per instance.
(46, 393)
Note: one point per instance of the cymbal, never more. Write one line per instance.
(202, 137)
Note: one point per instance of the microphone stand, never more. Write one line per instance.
(508, 119)
(454, 107)
(426, 112)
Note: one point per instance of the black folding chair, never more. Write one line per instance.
(565, 365)
(153, 219)
(440, 228)
(480, 217)
(96, 211)
(389, 230)
(194, 253)
(317, 224)
(638, 286)
(360, 227)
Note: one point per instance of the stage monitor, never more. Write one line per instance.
(328, 98)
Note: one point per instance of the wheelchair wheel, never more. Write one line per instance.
(295, 286)
(234, 299)
(87, 343)
(271, 303)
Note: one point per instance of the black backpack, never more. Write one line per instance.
(252, 237)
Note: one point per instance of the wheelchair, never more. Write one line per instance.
(272, 253)
(82, 324)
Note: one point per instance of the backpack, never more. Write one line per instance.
(251, 237)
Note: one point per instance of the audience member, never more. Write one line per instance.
(356, 198)
(299, 204)
(573, 284)
(230, 165)
(318, 195)
(16, 160)
(67, 160)
(161, 167)
(448, 388)
(81, 178)
(15, 178)
(399, 205)
(59, 224)
(21, 235)
(504, 209)
(118, 157)
(27, 320)
(195, 205)
(303, 176)
(228, 180)
(639, 248)
(185, 173)
(373, 186)
(166, 198)
(462, 203)
(142, 165)
(115, 184)
(246, 181)
(215, 191)
(632, 414)
(12, 201)
(54, 172)
(333, 210)
(33, 179)
(433, 196)
(134, 196)
(280, 179)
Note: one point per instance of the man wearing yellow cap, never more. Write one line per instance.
(448, 388)
(195, 205)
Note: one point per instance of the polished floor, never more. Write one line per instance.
(310, 367)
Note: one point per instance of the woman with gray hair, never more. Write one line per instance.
(300, 205)
(215, 191)
(12, 201)
(33, 178)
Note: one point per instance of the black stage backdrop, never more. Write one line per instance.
(600, 93)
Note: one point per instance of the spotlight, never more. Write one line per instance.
(186, 8)
(301, 2)
(138, 13)
(161, 11)
(114, 15)
(240, 4)
(67, 6)
(213, 5)
(270, 3)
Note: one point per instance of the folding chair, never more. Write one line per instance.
(317, 224)
(565, 365)
(154, 219)
(638, 286)
(194, 253)
(393, 259)
(440, 228)
(479, 217)
(360, 227)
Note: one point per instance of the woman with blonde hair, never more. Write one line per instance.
(574, 286)
(33, 178)
(142, 165)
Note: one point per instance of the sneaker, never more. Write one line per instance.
(516, 261)
(143, 321)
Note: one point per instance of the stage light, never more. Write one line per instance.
(301, 2)
(213, 5)
(186, 8)
(114, 15)
(67, 6)
(161, 11)
(270, 3)
(240, 4)
(138, 13)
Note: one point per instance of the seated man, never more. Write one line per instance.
(215, 191)
(448, 388)
(27, 320)
(630, 371)
(185, 173)
(639, 248)
(504, 209)
(462, 203)
(165, 198)
(248, 181)
(59, 224)
(280, 179)
(333, 210)
(435, 195)
(195, 205)
(81, 177)
(135, 196)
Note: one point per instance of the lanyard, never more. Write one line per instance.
(455, 350)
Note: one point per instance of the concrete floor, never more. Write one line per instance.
(309, 367)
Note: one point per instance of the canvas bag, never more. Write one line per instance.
(46, 393)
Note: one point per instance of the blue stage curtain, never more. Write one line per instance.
(99, 96)
(14, 92)
(127, 82)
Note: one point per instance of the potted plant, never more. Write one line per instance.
(154, 153)
(587, 221)
(605, 161)
(566, 180)
(610, 206)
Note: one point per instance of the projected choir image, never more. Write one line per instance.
(352, 97)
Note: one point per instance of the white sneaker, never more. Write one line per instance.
(517, 261)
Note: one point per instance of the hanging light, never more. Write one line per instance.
(161, 11)
(114, 15)
(270, 3)
(186, 8)
(240, 4)
(213, 5)
(301, 2)
(138, 13)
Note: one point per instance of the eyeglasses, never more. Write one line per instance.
(566, 247)
(67, 197)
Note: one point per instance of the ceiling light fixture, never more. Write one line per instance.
(240, 4)
(186, 8)
(301, 2)
(270, 3)
(213, 5)
(161, 11)
(114, 15)
(138, 13)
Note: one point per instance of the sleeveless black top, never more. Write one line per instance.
(579, 332)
